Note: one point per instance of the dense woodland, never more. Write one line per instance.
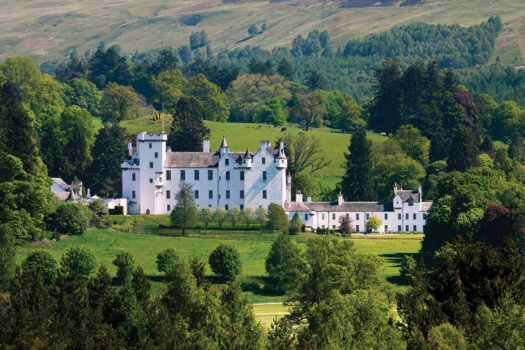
(441, 135)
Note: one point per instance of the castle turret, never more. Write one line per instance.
(224, 147)
(282, 161)
(247, 159)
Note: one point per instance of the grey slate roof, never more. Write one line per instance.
(405, 195)
(62, 195)
(295, 206)
(204, 159)
(60, 182)
(425, 206)
(350, 206)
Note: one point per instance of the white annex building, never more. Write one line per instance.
(406, 213)
(152, 174)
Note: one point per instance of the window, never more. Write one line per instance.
(226, 207)
(414, 216)
(322, 216)
(425, 217)
(263, 160)
(398, 228)
(168, 207)
(415, 228)
(347, 215)
(151, 165)
(210, 174)
(210, 194)
(399, 216)
(133, 194)
(242, 206)
(196, 175)
(150, 180)
(386, 228)
(264, 175)
(133, 176)
(196, 194)
(333, 216)
(242, 175)
(264, 194)
(156, 154)
(357, 216)
(333, 226)
(367, 216)
(410, 203)
(183, 175)
(168, 175)
(227, 194)
(226, 162)
(227, 176)
(305, 217)
(406, 216)
(150, 145)
(357, 228)
(406, 228)
(241, 195)
(168, 194)
(386, 216)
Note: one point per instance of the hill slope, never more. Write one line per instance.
(49, 29)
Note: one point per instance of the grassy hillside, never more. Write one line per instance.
(252, 248)
(47, 30)
(242, 135)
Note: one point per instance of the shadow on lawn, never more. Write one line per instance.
(396, 260)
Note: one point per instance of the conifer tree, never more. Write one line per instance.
(357, 181)
(463, 152)
(187, 130)
(516, 148)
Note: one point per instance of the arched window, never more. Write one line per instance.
(147, 212)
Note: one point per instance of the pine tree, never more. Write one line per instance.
(285, 69)
(463, 152)
(7, 255)
(108, 152)
(357, 181)
(187, 130)
(516, 148)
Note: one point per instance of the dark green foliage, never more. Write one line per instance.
(516, 149)
(185, 213)
(78, 262)
(463, 152)
(187, 130)
(283, 263)
(225, 261)
(165, 259)
(285, 69)
(166, 59)
(71, 218)
(44, 263)
(295, 224)
(82, 93)
(109, 66)
(198, 39)
(124, 262)
(315, 81)
(7, 255)
(277, 218)
(487, 144)
(260, 67)
(314, 43)
(108, 152)
(141, 285)
(357, 181)
(100, 214)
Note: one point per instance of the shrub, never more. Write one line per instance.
(124, 262)
(100, 217)
(225, 261)
(165, 259)
(295, 224)
(79, 261)
(71, 218)
(44, 263)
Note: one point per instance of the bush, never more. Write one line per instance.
(100, 213)
(295, 224)
(277, 218)
(373, 223)
(71, 218)
(165, 259)
(225, 261)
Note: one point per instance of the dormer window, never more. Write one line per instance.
(263, 160)
(226, 162)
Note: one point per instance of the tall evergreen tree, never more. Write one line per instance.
(516, 148)
(7, 255)
(463, 152)
(386, 114)
(357, 181)
(108, 152)
(285, 69)
(187, 130)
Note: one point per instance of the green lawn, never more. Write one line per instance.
(253, 249)
(242, 135)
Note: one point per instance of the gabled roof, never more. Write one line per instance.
(350, 206)
(62, 195)
(61, 183)
(405, 195)
(295, 206)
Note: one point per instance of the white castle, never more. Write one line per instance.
(152, 176)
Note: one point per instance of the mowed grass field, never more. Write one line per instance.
(49, 30)
(105, 243)
(242, 135)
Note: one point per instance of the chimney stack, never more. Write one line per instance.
(395, 188)
(340, 199)
(299, 197)
(206, 145)
(309, 199)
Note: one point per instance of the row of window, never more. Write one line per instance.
(196, 175)
(210, 194)
(227, 161)
(407, 216)
(386, 227)
(226, 207)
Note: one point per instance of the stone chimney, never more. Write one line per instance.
(299, 197)
(309, 199)
(395, 188)
(206, 145)
(340, 199)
